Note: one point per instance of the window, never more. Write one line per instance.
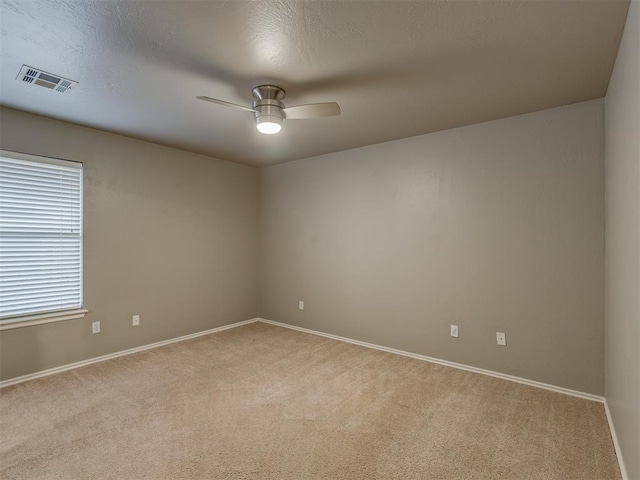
(40, 240)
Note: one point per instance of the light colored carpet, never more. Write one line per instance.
(264, 402)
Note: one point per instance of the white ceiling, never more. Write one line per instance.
(397, 68)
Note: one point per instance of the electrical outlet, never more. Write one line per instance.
(301, 305)
(501, 338)
(136, 320)
(95, 327)
(454, 331)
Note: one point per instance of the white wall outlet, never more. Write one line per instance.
(501, 338)
(301, 305)
(136, 320)
(454, 331)
(95, 327)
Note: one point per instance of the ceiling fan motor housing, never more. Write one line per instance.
(268, 104)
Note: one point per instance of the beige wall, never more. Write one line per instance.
(494, 227)
(622, 269)
(168, 235)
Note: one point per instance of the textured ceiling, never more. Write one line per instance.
(397, 68)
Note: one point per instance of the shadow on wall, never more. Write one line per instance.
(43, 353)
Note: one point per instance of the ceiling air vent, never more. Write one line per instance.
(49, 80)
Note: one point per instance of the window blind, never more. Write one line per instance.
(40, 235)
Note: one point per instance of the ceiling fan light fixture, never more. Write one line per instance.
(270, 112)
(269, 125)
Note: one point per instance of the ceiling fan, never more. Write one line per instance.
(269, 111)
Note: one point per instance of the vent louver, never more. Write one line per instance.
(44, 79)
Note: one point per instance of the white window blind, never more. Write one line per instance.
(40, 235)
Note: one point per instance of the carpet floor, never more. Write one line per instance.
(264, 402)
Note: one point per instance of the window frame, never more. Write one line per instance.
(38, 318)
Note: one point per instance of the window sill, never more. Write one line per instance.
(40, 319)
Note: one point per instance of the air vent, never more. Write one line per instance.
(43, 79)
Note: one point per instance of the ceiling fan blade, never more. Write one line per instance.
(226, 104)
(312, 110)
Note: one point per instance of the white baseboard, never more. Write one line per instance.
(504, 376)
(82, 363)
(616, 444)
(460, 366)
